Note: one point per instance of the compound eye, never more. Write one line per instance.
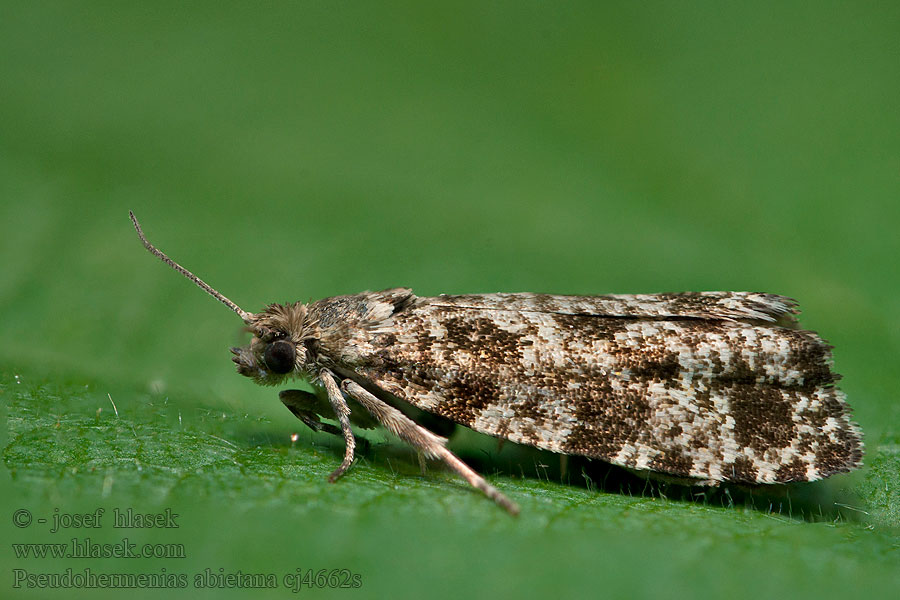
(279, 356)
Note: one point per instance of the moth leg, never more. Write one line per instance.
(422, 439)
(421, 457)
(308, 408)
(342, 412)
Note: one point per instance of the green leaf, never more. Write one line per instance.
(248, 499)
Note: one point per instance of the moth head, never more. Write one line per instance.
(280, 346)
(277, 349)
(268, 361)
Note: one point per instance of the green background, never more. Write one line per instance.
(296, 151)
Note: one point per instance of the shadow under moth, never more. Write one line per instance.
(708, 387)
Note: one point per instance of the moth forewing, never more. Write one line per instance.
(734, 398)
(713, 386)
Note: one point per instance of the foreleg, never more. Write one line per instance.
(342, 412)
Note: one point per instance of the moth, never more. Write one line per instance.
(706, 387)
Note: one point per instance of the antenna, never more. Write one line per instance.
(247, 317)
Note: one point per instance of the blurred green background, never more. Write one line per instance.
(292, 151)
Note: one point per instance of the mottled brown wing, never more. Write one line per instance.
(693, 385)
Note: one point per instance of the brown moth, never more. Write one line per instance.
(708, 387)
